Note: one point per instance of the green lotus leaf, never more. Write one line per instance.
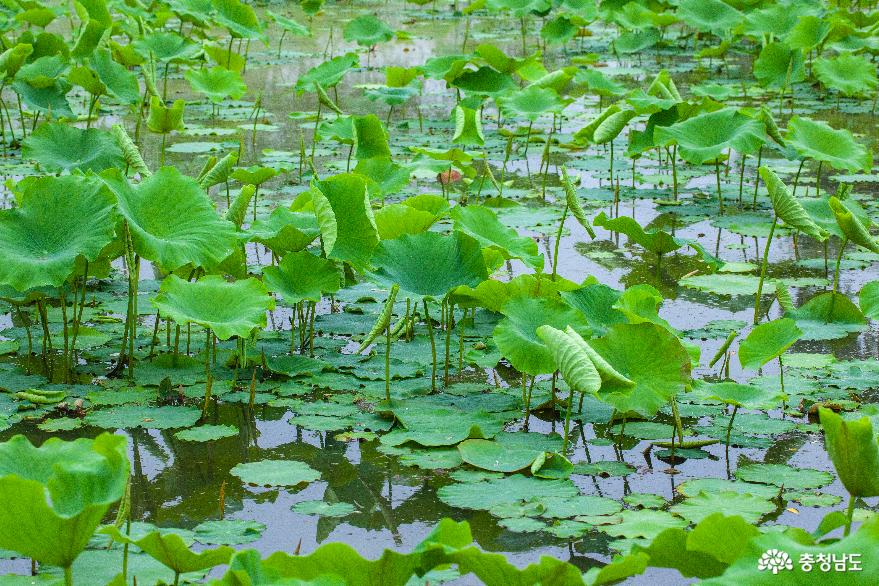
(468, 127)
(531, 103)
(12, 59)
(228, 531)
(383, 176)
(285, 231)
(747, 506)
(787, 208)
(289, 24)
(482, 223)
(517, 338)
(508, 452)
(302, 275)
(821, 212)
(612, 126)
(397, 219)
(484, 81)
(238, 18)
(58, 147)
(571, 360)
(648, 355)
(328, 73)
(484, 494)
(324, 509)
(171, 219)
(738, 395)
(370, 137)
(143, 416)
(778, 66)
(163, 119)
(344, 215)
(853, 448)
(492, 294)
(644, 523)
(573, 203)
(430, 264)
(440, 426)
(852, 227)
(587, 133)
(704, 552)
(850, 75)
(275, 473)
(559, 30)
(119, 81)
(166, 46)
(809, 31)
(228, 309)
(206, 433)
(710, 16)
(57, 494)
(596, 303)
(869, 300)
(819, 141)
(171, 551)
(41, 87)
(828, 316)
(217, 83)
(768, 341)
(367, 31)
(704, 138)
(87, 79)
(782, 475)
(659, 241)
(629, 42)
(58, 220)
(745, 570)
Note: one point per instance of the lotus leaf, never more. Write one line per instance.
(58, 220)
(58, 147)
(850, 75)
(703, 138)
(275, 473)
(367, 31)
(228, 309)
(301, 275)
(817, 140)
(217, 83)
(430, 264)
(57, 494)
(171, 219)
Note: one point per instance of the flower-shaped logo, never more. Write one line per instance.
(775, 560)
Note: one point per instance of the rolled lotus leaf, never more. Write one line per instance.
(852, 227)
(612, 126)
(572, 361)
(587, 133)
(607, 372)
(787, 207)
(574, 203)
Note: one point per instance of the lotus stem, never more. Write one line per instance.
(763, 271)
(388, 361)
(207, 370)
(65, 356)
(68, 576)
(568, 418)
(525, 152)
(558, 239)
(461, 342)
(611, 165)
(316, 126)
(757, 175)
(729, 427)
(432, 345)
(818, 179)
(674, 171)
(796, 178)
(838, 262)
(742, 178)
(719, 192)
(849, 515)
(450, 312)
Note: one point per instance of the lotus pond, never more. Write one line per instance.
(507, 292)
